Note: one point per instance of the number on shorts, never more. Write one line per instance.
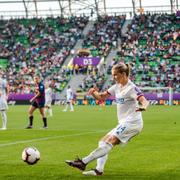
(120, 129)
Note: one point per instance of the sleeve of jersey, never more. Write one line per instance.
(111, 90)
(136, 93)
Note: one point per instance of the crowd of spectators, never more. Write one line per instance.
(37, 46)
(152, 47)
(104, 35)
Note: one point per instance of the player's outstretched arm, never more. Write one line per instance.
(97, 95)
(144, 104)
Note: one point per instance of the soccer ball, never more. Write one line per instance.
(30, 155)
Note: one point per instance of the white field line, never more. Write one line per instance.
(48, 138)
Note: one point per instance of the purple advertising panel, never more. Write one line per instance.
(15, 96)
(85, 61)
(149, 96)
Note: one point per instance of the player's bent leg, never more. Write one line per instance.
(109, 142)
(97, 153)
(98, 171)
(102, 160)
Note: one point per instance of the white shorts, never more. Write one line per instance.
(3, 104)
(126, 130)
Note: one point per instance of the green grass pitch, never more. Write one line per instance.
(154, 154)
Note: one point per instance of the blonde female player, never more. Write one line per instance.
(130, 122)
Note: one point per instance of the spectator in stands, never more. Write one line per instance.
(39, 45)
(152, 46)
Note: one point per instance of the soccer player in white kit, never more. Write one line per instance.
(48, 99)
(69, 99)
(130, 123)
(4, 91)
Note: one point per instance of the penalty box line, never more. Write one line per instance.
(47, 138)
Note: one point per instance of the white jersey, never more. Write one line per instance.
(126, 99)
(3, 85)
(3, 100)
(69, 94)
(48, 95)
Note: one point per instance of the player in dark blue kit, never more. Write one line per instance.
(38, 101)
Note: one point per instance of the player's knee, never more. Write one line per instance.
(30, 113)
(103, 143)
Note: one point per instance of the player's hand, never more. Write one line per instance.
(31, 100)
(91, 91)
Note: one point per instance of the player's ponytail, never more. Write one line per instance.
(123, 68)
(128, 69)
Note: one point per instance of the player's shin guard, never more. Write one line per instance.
(97, 153)
(102, 160)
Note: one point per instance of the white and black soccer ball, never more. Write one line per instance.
(31, 155)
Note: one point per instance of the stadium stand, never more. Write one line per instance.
(99, 41)
(30, 46)
(152, 46)
(104, 35)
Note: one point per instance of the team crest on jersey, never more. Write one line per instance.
(120, 100)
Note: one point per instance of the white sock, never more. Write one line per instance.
(4, 119)
(102, 160)
(97, 153)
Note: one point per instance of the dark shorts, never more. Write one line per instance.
(38, 105)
